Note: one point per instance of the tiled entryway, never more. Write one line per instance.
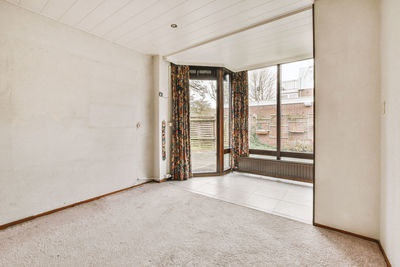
(284, 198)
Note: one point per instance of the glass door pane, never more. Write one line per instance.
(227, 107)
(297, 101)
(203, 125)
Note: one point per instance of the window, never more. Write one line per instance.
(203, 125)
(227, 121)
(281, 122)
(262, 108)
(210, 105)
(297, 116)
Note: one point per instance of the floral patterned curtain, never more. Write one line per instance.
(181, 168)
(240, 115)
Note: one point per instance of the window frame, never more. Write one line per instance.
(217, 73)
(226, 150)
(279, 153)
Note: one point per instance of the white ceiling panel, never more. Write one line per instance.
(163, 22)
(287, 39)
(213, 29)
(151, 13)
(55, 9)
(101, 14)
(79, 10)
(33, 5)
(134, 8)
(222, 18)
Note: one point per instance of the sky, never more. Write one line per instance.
(289, 71)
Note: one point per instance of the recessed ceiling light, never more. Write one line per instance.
(174, 26)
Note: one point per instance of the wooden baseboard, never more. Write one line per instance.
(359, 236)
(162, 180)
(4, 226)
(384, 254)
(346, 232)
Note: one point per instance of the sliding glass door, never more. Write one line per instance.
(210, 120)
(203, 125)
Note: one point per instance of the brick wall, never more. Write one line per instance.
(296, 124)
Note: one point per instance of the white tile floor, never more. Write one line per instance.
(284, 198)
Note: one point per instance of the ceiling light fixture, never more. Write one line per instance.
(174, 26)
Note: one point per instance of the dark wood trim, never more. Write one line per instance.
(162, 180)
(345, 232)
(214, 76)
(227, 150)
(226, 70)
(196, 67)
(263, 152)
(359, 236)
(218, 75)
(227, 171)
(206, 174)
(220, 121)
(313, 25)
(4, 226)
(278, 112)
(298, 155)
(277, 176)
(197, 76)
(384, 254)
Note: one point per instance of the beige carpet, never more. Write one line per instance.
(163, 225)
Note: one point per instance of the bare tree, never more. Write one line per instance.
(262, 85)
(204, 88)
(201, 93)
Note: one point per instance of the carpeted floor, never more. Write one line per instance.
(164, 225)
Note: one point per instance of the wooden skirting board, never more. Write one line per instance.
(4, 226)
(359, 236)
(162, 180)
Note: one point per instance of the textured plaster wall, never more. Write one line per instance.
(390, 186)
(69, 107)
(347, 115)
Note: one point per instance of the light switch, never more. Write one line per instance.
(384, 107)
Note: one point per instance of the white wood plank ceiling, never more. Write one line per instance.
(284, 40)
(145, 26)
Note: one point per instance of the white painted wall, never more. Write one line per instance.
(69, 105)
(390, 187)
(162, 111)
(347, 71)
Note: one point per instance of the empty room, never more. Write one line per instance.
(199, 133)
